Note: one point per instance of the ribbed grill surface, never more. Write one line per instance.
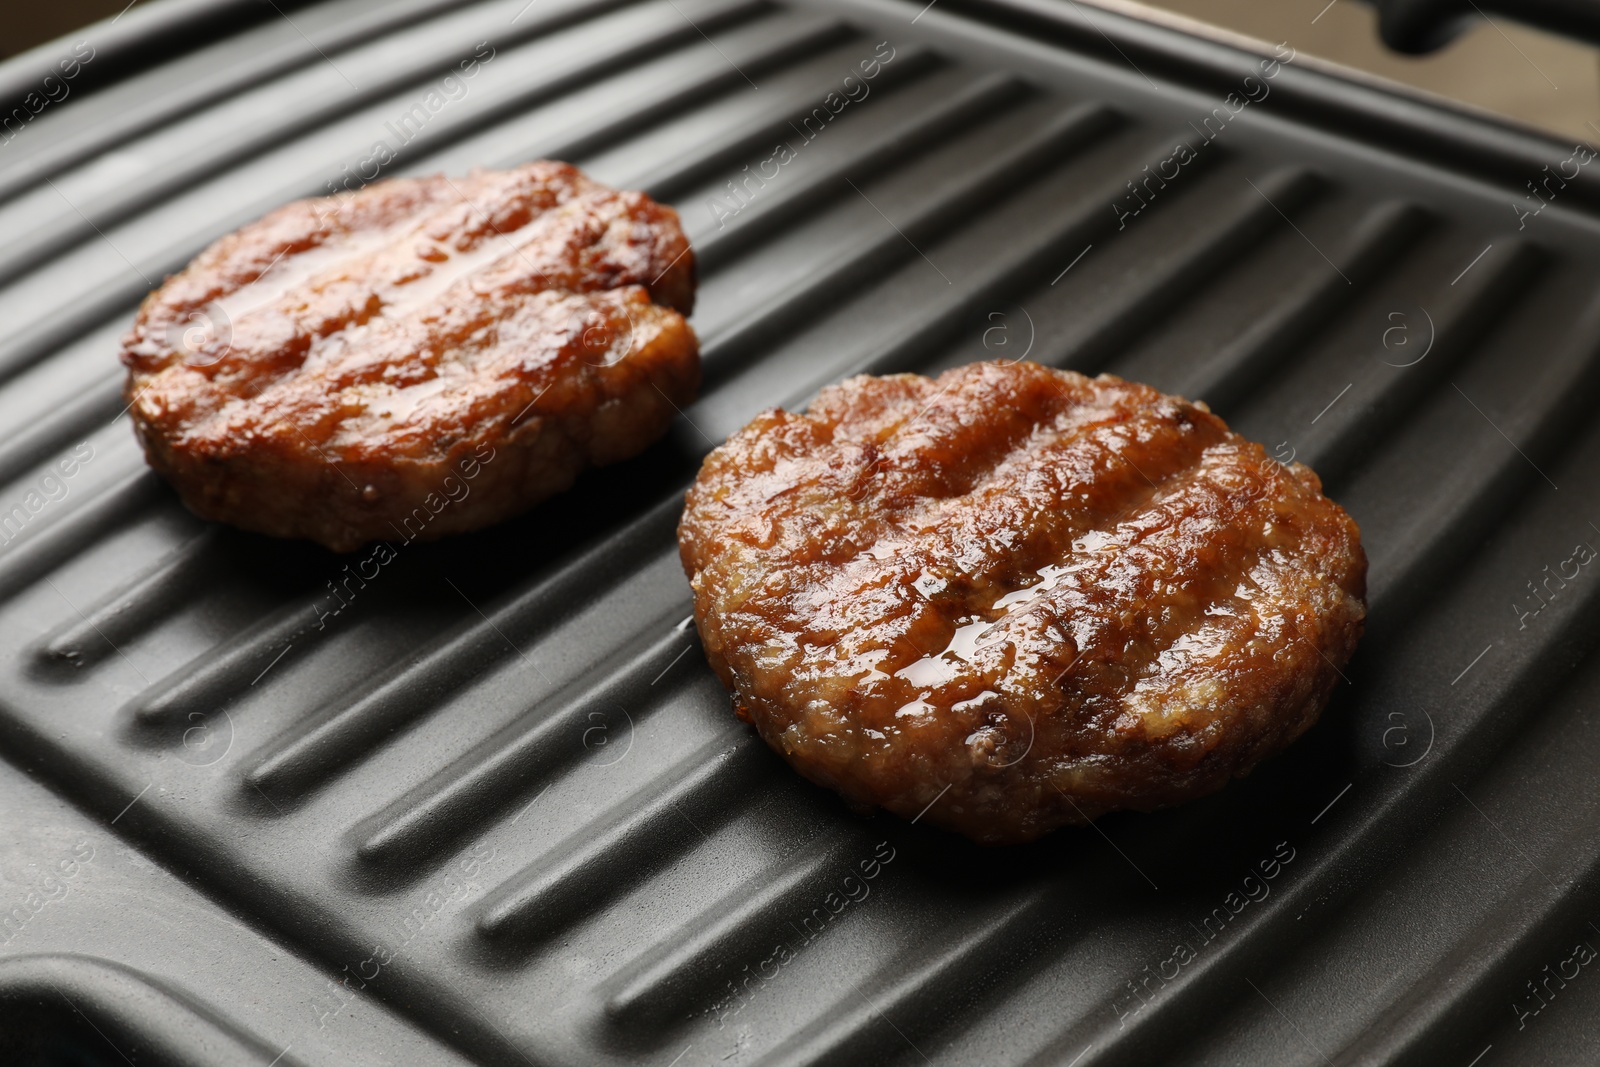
(493, 783)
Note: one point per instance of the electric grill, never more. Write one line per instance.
(485, 803)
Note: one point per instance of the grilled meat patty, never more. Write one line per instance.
(421, 357)
(1017, 598)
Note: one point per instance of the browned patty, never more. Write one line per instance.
(421, 357)
(1019, 595)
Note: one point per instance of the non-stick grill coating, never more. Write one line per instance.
(491, 782)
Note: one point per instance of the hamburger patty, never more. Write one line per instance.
(1019, 595)
(333, 370)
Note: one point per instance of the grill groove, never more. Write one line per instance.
(344, 732)
(504, 766)
(673, 812)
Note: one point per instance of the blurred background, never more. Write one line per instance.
(1540, 79)
(26, 23)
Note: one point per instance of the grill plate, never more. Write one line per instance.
(499, 793)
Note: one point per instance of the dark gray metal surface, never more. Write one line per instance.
(488, 797)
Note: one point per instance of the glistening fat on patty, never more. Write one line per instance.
(321, 373)
(1043, 596)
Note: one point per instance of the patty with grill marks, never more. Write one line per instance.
(1016, 598)
(421, 357)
